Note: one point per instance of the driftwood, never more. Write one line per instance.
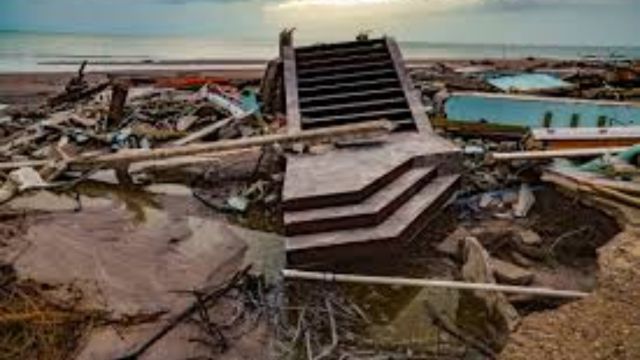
(588, 187)
(77, 96)
(373, 128)
(218, 148)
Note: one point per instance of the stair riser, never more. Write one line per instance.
(376, 247)
(447, 164)
(351, 222)
(347, 198)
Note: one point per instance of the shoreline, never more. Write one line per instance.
(252, 64)
(25, 87)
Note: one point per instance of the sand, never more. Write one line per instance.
(30, 88)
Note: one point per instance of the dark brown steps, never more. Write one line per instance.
(369, 212)
(408, 220)
(345, 60)
(345, 49)
(344, 68)
(350, 96)
(308, 91)
(353, 107)
(338, 198)
(391, 114)
(375, 74)
(340, 45)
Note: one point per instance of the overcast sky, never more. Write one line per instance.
(562, 22)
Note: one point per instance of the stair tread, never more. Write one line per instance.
(376, 73)
(349, 85)
(357, 66)
(355, 104)
(361, 116)
(389, 229)
(344, 171)
(371, 206)
(347, 95)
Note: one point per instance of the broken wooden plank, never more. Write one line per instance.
(580, 138)
(207, 130)
(291, 89)
(119, 93)
(368, 129)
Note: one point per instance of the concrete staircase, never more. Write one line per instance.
(350, 203)
(358, 202)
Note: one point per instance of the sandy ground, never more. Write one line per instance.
(25, 88)
(605, 325)
(29, 88)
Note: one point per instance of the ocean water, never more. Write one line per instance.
(27, 51)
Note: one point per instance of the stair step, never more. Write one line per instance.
(309, 64)
(340, 45)
(303, 54)
(348, 77)
(339, 98)
(336, 195)
(348, 68)
(403, 224)
(391, 114)
(348, 86)
(372, 211)
(351, 107)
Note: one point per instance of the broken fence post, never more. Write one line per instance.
(119, 93)
(381, 280)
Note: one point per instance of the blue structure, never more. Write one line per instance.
(530, 111)
(527, 82)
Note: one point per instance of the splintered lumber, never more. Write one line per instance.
(374, 128)
(186, 161)
(209, 129)
(21, 164)
(77, 96)
(590, 187)
(550, 154)
(580, 138)
(119, 93)
(199, 153)
(459, 285)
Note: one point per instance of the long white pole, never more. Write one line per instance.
(550, 154)
(381, 280)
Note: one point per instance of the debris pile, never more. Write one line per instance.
(156, 184)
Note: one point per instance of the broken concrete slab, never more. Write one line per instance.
(526, 199)
(127, 267)
(452, 244)
(508, 273)
(529, 237)
(477, 269)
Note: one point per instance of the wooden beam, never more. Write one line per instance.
(291, 90)
(368, 129)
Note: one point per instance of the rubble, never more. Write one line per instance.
(99, 167)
